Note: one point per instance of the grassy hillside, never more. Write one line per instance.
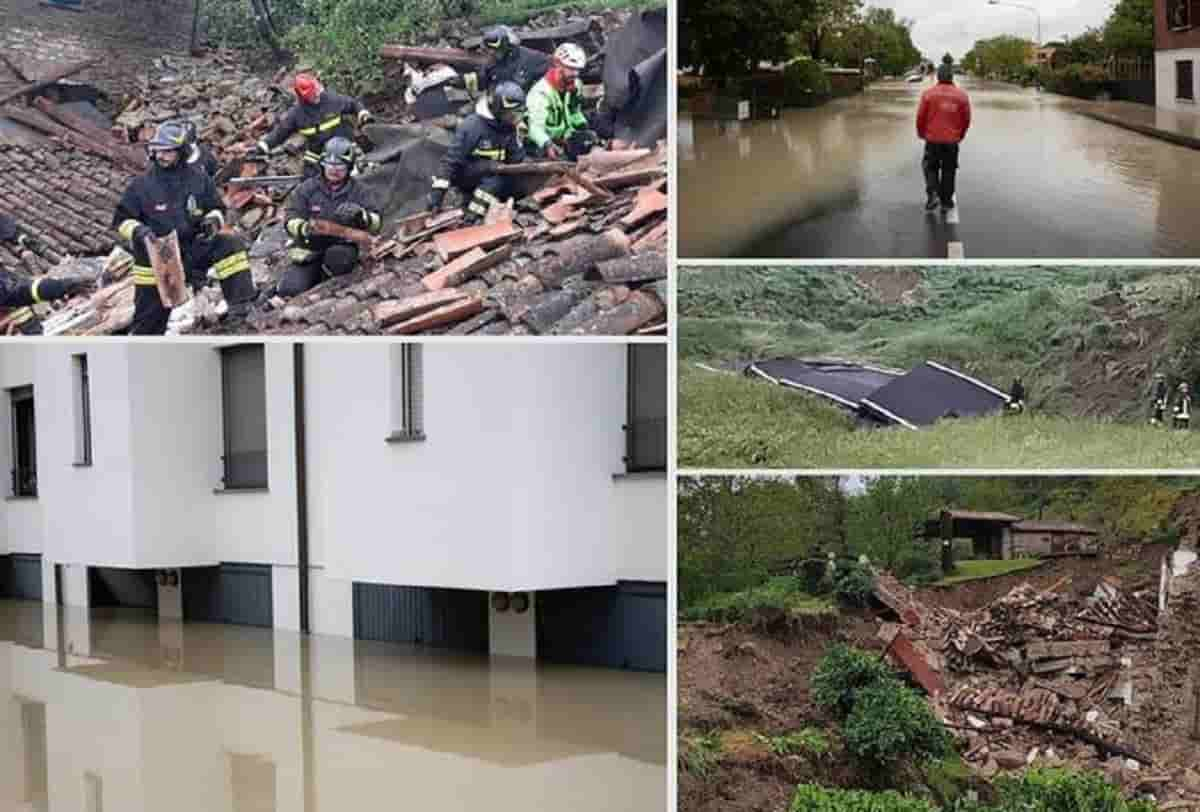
(1086, 340)
(730, 421)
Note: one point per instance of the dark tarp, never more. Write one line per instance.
(931, 392)
(635, 77)
(846, 383)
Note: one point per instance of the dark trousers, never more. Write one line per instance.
(150, 316)
(940, 163)
(328, 258)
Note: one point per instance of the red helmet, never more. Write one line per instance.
(308, 88)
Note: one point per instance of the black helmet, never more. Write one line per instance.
(500, 38)
(191, 139)
(339, 151)
(507, 97)
(169, 135)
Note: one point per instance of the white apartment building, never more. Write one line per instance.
(505, 498)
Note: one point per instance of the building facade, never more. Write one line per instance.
(1177, 54)
(489, 499)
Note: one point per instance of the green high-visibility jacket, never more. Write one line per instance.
(554, 116)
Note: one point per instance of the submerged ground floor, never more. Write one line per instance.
(121, 708)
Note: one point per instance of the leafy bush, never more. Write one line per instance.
(1061, 790)
(231, 22)
(1083, 81)
(889, 722)
(842, 673)
(807, 740)
(805, 83)
(853, 584)
(920, 564)
(782, 593)
(810, 798)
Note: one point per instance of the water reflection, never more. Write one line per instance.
(116, 711)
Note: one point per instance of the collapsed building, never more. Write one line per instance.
(1086, 672)
(879, 396)
(578, 252)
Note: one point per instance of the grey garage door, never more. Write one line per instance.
(624, 626)
(25, 576)
(231, 593)
(446, 618)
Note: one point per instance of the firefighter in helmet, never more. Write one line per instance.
(510, 62)
(319, 115)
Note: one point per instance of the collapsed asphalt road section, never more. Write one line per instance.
(887, 397)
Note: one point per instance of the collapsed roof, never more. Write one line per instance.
(920, 397)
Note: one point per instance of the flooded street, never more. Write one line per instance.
(116, 711)
(844, 180)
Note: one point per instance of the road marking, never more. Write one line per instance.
(955, 250)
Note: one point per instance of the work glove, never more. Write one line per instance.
(212, 224)
(365, 117)
(349, 213)
(435, 200)
(141, 234)
(76, 283)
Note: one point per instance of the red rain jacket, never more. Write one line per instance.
(944, 114)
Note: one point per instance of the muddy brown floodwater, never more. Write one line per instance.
(1036, 179)
(115, 711)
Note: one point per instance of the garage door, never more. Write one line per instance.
(25, 576)
(623, 626)
(231, 593)
(446, 618)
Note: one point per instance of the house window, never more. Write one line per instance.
(244, 402)
(24, 442)
(1179, 14)
(1185, 87)
(408, 393)
(646, 431)
(83, 411)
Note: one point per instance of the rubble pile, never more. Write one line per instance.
(1071, 674)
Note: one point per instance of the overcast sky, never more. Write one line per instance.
(954, 25)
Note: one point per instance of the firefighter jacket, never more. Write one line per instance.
(314, 199)
(480, 140)
(554, 116)
(166, 200)
(331, 116)
(521, 65)
(944, 115)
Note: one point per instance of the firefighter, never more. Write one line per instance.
(18, 295)
(511, 62)
(1158, 400)
(319, 115)
(1016, 396)
(199, 155)
(486, 138)
(176, 196)
(1183, 408)
(334, 196)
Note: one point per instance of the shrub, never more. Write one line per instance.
(853, 583)
(1061, 790)
(807, 740)
(805, 83)
(841, 673)
(781, 593)
(920, 565)
(810, 798)
(698, 755)
(1084, 81)
(890, 722)
(230, 23)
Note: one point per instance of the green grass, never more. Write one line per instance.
(518, 12)
(976, 570)
(806, 740)
(730, 421)
(782, 593)
(700, 754)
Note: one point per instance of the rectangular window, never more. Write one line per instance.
(1179, 14)
(646, 431)
(244, 400)
(1185, 87)
(24, 442)
(408, 393)
(83, 411)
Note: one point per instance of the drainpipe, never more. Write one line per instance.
(301, 483)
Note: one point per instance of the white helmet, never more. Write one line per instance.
(570, 55)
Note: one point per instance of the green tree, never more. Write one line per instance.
(727, 38)
(1129, 30)
(1086, 49)
(1004, 55)
(828, 17)
(886, 522)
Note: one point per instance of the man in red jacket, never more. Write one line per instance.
(942, 121)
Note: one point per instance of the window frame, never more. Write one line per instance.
(406, 363)
(82, 381)
(16, 396)
(632, 464)
(225, 353)
(1191, 83)
(1189, 23)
